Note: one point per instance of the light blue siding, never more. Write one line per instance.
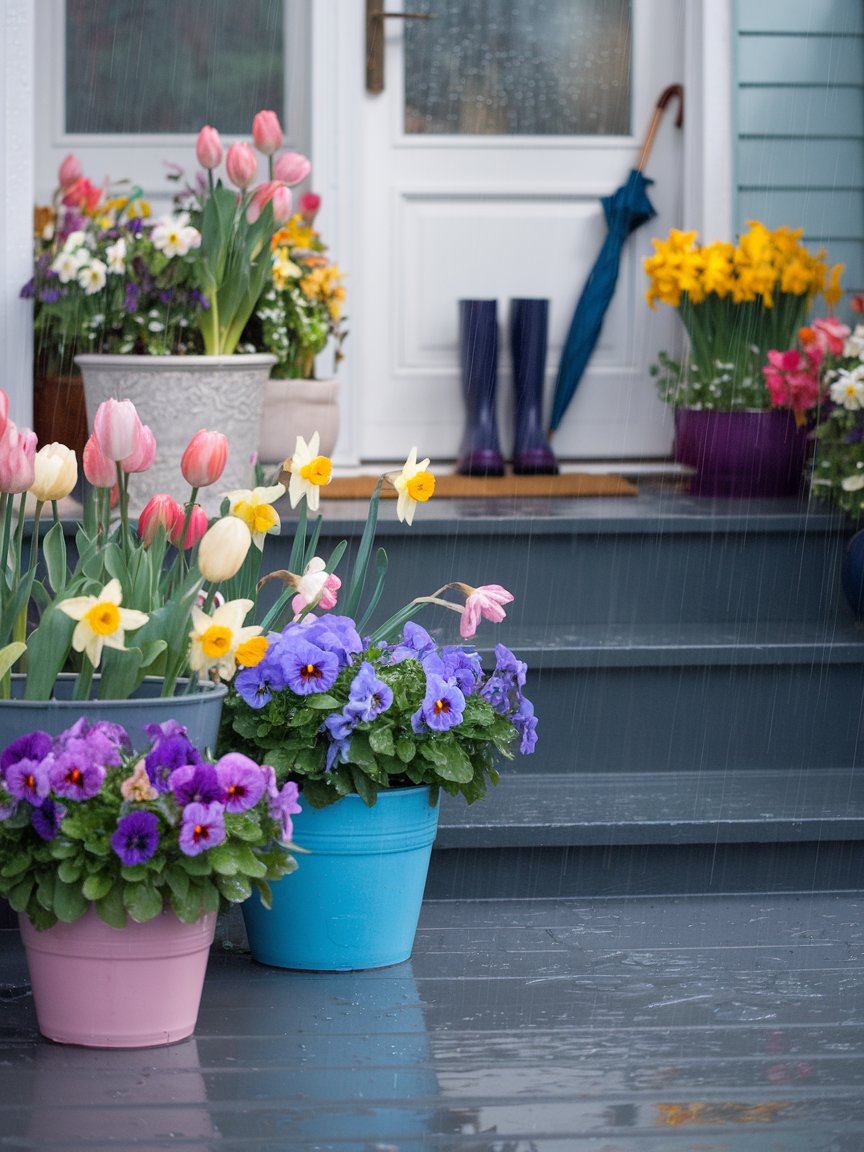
(799, 123)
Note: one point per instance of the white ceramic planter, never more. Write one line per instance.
(176, 396)
(295, 408)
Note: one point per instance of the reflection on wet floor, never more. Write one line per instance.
(655, 1024)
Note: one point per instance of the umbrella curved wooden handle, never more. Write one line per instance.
(665, 96)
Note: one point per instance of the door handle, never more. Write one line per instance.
(375, 17)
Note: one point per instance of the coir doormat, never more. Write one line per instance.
(450, 486)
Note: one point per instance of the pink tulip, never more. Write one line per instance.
(267, 132)
(282, 205)
(99, 470)
(115, 426)
(195, 529)
(485, 601)
(17, 459)
(204, 459)
(291, 168)
(69, 171)
(274, 192)
(309, 204)
(143, 454)
(162, 511)
(241, 165)
(4, 412)
(208, 148)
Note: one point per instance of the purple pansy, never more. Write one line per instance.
(368, 696)
(416, 644)
(75, 774)
(503, 689)
(28, 780)
(33, 746)
(340, 725)
(137, 837)
(336, 634)
(47, 818)
(241, 780)
(196, 784)
(463, 668)
(283, 805)
(171, 749)
(525, 723)
(442, 706)
(203, 827)
(308, 669)
(256, 685)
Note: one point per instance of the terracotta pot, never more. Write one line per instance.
(295, 408)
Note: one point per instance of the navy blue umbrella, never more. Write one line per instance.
(625, 210)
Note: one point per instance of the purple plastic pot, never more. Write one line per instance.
(741, 454)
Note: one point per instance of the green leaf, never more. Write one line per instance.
(381, 741)
(10, 654)
(142, 901)
(17, 864)
(111, 908)
(178, 881)
(224, 859)
(47, 648)
(96, 886)
(54, 551)
(406, 750)
(69, 871)
(450, 760)
(69, 902)
(364, 787)
(234, 888)
(19, 895)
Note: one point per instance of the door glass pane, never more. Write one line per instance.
(518, 67)
(145, 66)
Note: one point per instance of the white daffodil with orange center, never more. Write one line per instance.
(309, 472)
(102, 623)
(254, 506)
(414, 484)
(215, 639)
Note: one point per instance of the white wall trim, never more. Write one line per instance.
(17, 51)
(708, 126)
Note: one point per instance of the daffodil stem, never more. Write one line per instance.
(398, 619)
(84, 680)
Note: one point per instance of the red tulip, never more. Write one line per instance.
(203, 461)
(115, 427)
(309, 204)
(208, 148)
(267, 132)
(162, 511)
(291, 168)
(195, 529)
(241, 165)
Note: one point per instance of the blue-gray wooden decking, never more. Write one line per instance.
(672, 1024)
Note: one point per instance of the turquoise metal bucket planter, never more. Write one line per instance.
(355, 898)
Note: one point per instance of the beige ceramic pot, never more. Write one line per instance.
(295, 408)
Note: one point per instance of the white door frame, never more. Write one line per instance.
(336, 88)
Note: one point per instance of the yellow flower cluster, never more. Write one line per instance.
(763, 263)
(325, 283)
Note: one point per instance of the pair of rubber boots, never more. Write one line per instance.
(480, 452)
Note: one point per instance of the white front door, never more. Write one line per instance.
(481, 178)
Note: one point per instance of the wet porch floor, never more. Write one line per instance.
(661, 1024)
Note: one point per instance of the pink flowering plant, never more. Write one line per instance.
(85, 820)
(109, 277)
(339, 705)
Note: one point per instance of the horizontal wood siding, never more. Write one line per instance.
(799, 123)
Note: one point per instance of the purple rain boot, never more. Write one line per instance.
(479, 453)
(529, 321)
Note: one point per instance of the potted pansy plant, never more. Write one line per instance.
(371, 721)
(118, 862)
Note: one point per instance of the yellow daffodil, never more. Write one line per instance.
(102, 623)
(254, 506)
(309, 472)
(414, 484)
(215, 639)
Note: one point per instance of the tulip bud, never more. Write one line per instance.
(162, 511)
(195, 529)
(208, 148)
(99, 470)
(144, 452)
(291, 168)
(309, 204)
(4, 412)
(203, 462)
(115, 427)
(56, 472)
(267, 132)
(260, 197)
(282, 203)
(223, 548)
(17, 459)
(69, 171)
(241, 165)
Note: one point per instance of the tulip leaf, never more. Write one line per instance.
(10, 654)
(47, 650)
(54, 551)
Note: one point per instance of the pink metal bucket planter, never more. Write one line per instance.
(133, 987)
